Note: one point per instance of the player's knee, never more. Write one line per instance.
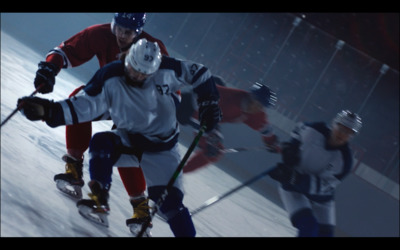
(306, 223)
(173, 210)
(104, 145)
(103, 155)
(172, 203)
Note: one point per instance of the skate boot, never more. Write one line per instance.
(71, 182)
(96, 208)
(141, 215)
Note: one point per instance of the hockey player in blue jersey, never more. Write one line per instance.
(139, 92)
(315, 162)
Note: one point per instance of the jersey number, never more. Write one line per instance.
(163, 89)
(148, 58)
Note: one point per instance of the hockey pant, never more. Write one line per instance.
(77, 142)
(312, 219)
(158, 168)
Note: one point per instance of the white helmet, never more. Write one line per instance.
(144, 56)
(349, 119)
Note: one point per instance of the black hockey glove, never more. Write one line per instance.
(282, 173)
(291, 153)
(46, 76)
(35, 108)
(209, 113)
(289, 177)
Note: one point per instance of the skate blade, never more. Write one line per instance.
(93, 216)
(136, 228)
(73, 191)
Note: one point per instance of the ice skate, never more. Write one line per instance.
(141, 215)
(71, 182)
(96, 208)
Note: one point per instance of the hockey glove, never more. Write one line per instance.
(282, 173)
(46, 76)
(209, 113)
(35, 108)
(288, 176)
(291, 153)
(271, 142)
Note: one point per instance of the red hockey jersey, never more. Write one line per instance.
(230, 103)
(96, 40)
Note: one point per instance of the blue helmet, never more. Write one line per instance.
(263, 94)
(132, 21)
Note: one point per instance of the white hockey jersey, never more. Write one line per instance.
(149, 110)
(322, 167)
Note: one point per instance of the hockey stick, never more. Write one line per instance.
(20, 106)
(218, 198)
(242, 149)
(171, 182)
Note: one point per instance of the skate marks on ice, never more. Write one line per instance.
(31, 206)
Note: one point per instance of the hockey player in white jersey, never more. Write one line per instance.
(315, 162)
(139, 92)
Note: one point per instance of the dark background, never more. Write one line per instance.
(376, 34)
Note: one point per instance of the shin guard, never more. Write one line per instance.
(173, 210)
(103, 156)
(306, 223)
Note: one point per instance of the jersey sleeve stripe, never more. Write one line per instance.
(199, 74)
(73, 112)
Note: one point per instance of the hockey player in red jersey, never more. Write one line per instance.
(107, 42)
(238, 106)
